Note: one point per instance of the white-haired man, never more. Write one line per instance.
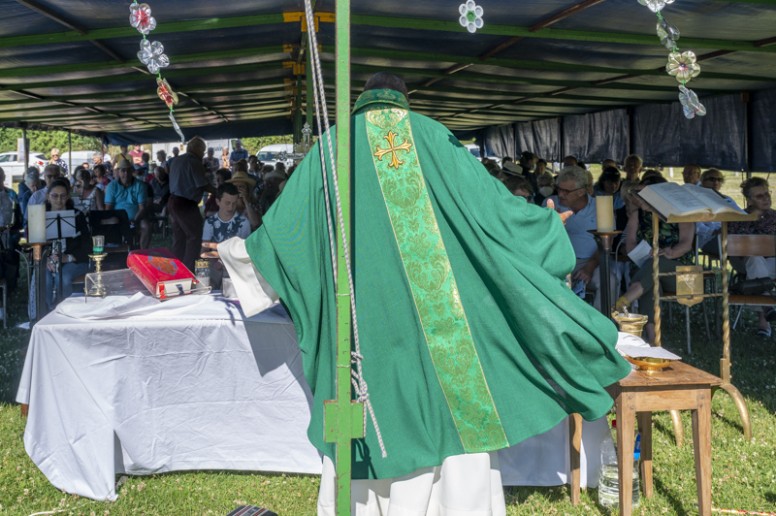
(188, 181)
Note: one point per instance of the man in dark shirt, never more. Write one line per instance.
(188, 181)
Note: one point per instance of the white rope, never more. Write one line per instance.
(357, 376)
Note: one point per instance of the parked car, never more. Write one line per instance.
(14, 167)
(79, 158)
(271, 154)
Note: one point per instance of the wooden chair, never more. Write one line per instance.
(746, 246)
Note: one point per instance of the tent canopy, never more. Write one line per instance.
(238, 66)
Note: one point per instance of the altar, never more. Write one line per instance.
(128, 384)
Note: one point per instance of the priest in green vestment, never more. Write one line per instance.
(471, 339)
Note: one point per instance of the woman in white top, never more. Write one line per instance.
(86, 194)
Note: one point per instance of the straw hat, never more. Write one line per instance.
(242, 177)
(124, 164)
(512, 168)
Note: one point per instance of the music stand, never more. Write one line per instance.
(59, 226)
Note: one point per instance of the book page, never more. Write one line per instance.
(671, 199)
(641, 253)
(712, 199)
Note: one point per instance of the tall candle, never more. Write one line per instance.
(36, 223)
(604, 213)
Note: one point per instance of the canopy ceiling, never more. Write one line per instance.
(236, 64)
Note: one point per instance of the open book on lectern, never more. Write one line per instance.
(691, 203)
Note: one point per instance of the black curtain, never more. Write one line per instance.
(663, 136)
(763, 135)
(595, 137)
(542, 137)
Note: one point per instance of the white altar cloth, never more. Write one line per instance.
(144, 387)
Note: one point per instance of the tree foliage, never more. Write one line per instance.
(44, 141)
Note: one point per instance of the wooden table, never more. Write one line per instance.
(679, 387)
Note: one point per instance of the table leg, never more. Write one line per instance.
(645, 427)
(625, 428)
(676, 419)
(575, 445)
(701, 436)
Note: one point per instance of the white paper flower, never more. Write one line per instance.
(667, 33)
(655, 5)
(471, 16)
(691, 106)
(683, 66)
(152, 55)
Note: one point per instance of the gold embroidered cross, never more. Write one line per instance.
(392, 148)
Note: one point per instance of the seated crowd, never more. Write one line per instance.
(209, 199)
(574, 189)
(137, 191)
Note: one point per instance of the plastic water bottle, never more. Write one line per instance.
(608, 480)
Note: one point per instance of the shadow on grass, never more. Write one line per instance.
(671, 497)
(516, 494)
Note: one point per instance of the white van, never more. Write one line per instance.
(79, 158)
(271, 154)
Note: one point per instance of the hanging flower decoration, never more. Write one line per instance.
(165, 92)
(683, 66)
(141, 19)
(176, 126)
(471, 16)
(668, 34)
(655, 5)
(152, 55)
(691, 105)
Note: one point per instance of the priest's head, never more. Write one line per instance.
(387, 81)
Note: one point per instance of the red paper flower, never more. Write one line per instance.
(166, 93)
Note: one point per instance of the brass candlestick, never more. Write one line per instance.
(39, 266)
(98, 289)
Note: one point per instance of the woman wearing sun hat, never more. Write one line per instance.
(245, 185)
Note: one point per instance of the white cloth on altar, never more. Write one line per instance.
(189, 385)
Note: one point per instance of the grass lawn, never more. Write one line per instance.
(744, 473)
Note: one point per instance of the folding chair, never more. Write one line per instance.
(747, 246)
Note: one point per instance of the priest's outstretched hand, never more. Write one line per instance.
(564, 216)
(209, 250)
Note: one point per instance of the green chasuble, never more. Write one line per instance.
(471, 339)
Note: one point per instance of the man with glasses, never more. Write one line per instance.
(130, 195)
(573, 185)
(50, 173)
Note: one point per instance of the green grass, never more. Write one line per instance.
(744, 473)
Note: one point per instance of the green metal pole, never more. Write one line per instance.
(309, 84)
(298, 110)
(343, 418)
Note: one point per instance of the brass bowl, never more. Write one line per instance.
(649, 364)
(630, 323)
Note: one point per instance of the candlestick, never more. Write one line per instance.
(604, 213)
(36, 223)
